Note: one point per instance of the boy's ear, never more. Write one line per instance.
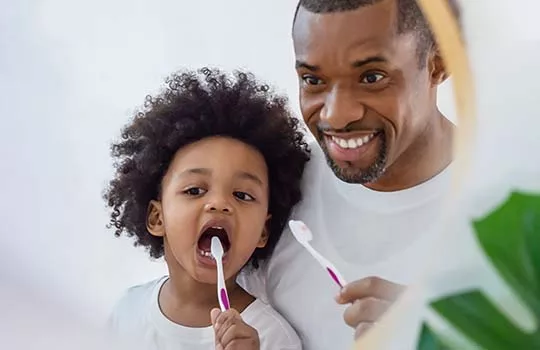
(265, 234)
(154, 219)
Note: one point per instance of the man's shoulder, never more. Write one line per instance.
(316, 170)
(274, 330)
(316, 155)
(254, 281)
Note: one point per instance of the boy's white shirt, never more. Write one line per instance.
(137, 317)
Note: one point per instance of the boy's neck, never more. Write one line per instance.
(188, 302)
(190, 291)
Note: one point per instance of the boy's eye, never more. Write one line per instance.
(243, 196)
(195, 191)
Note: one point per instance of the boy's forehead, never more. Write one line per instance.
(217, 153)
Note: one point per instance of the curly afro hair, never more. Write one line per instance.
(196, 105)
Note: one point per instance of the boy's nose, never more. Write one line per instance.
(219, 206)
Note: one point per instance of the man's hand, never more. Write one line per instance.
(369, 298)
(232, 333)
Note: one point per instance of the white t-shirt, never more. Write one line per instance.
(363, 232)
(138, 317)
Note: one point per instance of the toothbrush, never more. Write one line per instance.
(303, 235)
(217, 252)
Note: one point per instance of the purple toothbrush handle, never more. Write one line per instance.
(224, 298)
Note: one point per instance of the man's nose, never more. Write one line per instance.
(341, 109)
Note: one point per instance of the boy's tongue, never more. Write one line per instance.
(205, 243)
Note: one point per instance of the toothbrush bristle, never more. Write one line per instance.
(300, 231)
(215, 247)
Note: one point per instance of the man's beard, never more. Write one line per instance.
(369, 175)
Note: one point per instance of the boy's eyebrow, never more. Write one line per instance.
(202, 171)
(205, 171)
(249, 176)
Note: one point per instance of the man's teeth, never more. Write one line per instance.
(353, 143)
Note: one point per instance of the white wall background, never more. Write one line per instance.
(71, 72)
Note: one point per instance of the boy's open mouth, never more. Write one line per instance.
(205, 239)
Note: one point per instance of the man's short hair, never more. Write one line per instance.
(410, 17)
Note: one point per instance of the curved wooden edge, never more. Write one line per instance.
(448, 35)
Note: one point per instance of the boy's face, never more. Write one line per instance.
(215, 186)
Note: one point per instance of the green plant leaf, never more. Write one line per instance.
(510, 237)
(480, 320)
(531, 235)
(429, 340)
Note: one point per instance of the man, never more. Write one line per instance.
(368, 73)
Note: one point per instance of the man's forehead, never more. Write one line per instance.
(370, 27)
(368, 20)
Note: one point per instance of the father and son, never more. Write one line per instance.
(216, 155)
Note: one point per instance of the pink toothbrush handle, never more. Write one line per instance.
(224, 298)
(334, 277)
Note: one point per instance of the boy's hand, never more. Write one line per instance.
(232, 333)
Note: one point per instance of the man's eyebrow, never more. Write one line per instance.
(372, 59)
(355, 64)
(301, 64)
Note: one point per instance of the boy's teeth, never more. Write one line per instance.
(354, 142)
(206, 254)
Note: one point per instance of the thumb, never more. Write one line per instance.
(214, 313)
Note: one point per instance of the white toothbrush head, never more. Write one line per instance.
(300, 231)
(303, 235)
(216, 248)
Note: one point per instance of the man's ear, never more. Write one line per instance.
(437, 69)
(154, 219)
(265, 234)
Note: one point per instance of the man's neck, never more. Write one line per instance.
(429, 155)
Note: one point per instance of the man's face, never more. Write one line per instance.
(363, 93)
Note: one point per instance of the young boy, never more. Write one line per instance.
(212, 155)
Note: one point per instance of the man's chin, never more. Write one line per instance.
(355, 175)
(348, 175)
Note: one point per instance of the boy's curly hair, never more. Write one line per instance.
(196, 105)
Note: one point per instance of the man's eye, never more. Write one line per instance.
(311, 80)
(372, 78)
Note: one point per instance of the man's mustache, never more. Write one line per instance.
(353, 126)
